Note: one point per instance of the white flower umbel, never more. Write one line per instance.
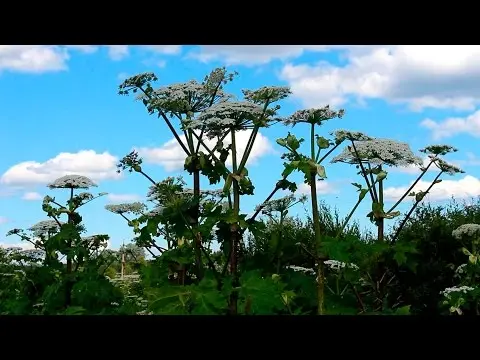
(456, 289)
(467, 230)
(72, 182)
(184, 98)
(45, 227)
(448, 168)
(379, 152)
(125, 208)
(314, 116)
(336, 265)
(236, 115)
(267, 94)
(342, 135)
(306, 271)
(436, 150)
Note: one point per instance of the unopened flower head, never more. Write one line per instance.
(438, 150)
(267, 94)
(448, 168)
(133, 208)
(314, 116)
(72, 182)
(342, 135)
(379, 152)
(45, 227)
(467, 230)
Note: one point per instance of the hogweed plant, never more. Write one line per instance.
(183, 102)
(465, 297)
(62, 239)
(231, 117)
(312, 168)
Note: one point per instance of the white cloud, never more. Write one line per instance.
(467, 187)
(87, 49)
(454, 126)
(165, 49)
(3, 220)
(251, 54)
(472, 160)
(32, 196)
(438, 76)
(323, 188)
(171, 156)
(119, 198)
(33, 58)
(96, 166)
(117, 52)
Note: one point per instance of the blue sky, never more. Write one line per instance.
(61, 114)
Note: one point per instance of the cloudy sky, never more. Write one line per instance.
(61, 114)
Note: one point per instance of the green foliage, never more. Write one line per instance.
(266, 263)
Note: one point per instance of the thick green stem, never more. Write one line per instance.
(381, 221)
(234, 229)
(280, 242)
(198, 237)
(69, 282)
(248, 150)
(374, 189)
(312, 141)
(318, 243)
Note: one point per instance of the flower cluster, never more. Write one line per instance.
(379, 152)
(314, 116)
(72, 182)
(461, 289)
(336, 265)
(45, 227)
(342, 135)
(466, 230)
(125, 208)
(306, 271)
(438, 150)
(236, 115)
(184, 98)
(267, 94)
(448, 168)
